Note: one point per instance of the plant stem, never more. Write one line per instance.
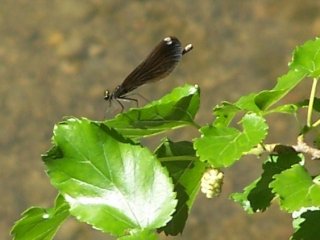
(316, 123)
(260, 149)
(311, 101)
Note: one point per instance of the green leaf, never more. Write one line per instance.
(316, 104)
(306, 58)
(171, 151)
(305, 63)
(286, 108)
(258, 102)
(296, 189)
(265, 99)
(248, 103)
(176, 109)
(224, 113)
(41, 223)
(308, 226)
(186, 171)
(257, 196)
(222, 146)
(294, 107)
(242, 198)
(141, 235)
(109, 183)
(305, 103)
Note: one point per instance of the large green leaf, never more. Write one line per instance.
(186, 171)
(109, 183)
(296, 189)
(176, 109)
(41, 223)
(222, 146)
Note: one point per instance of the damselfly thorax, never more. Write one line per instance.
(158, 64)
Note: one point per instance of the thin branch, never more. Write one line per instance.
(300, 147)
(305, 148)
(311, 102)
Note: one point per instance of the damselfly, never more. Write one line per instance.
(158, 64)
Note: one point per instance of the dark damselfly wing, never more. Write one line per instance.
(158, 64)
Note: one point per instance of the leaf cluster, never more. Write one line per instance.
(107, 178)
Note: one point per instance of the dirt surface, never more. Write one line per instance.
(58, 57)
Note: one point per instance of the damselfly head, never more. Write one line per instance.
(115, 94)
(107, 95)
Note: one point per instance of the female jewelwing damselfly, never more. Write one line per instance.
(158, 64)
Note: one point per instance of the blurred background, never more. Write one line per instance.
(58, 57)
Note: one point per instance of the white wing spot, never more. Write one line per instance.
(168, 40)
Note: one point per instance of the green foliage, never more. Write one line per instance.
(258, 195)
(307, 225)
(222, 146)
(296, 189)
(103, 175)
(41, 223)
(144, 234)
(108, 179)
(186, 171)
(306, 58)
(174, 110)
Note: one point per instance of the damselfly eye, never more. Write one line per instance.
(107, 95)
